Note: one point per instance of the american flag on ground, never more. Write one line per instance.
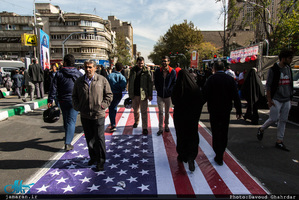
(138, 165)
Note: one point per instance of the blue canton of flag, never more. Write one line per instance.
(129, 169)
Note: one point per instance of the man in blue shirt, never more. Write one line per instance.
(118, 84)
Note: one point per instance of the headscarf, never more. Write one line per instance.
(185, 89)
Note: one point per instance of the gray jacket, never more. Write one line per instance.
(93, 100)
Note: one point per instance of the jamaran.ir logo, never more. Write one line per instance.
(17, 188)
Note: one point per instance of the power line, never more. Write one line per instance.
(16, 5)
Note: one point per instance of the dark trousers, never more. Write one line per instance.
(113, 107)
(219, 125)
(94, 131)
(39, 89)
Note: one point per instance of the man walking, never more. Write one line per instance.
(62, 86)
(36, 74)
(219, 92)
(140, 90)
(165, 78)
(29, 86)
(279, 88)
(17, 83)
(92, 96)
(118, 84)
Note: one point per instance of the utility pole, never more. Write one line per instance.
(224, 27)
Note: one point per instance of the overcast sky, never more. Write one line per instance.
(150, 18)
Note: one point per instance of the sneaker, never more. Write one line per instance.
(281, 146)
(113, 128)
(167, 130)
(68, 147)
(145, 132)
(159, 133)
(135, 125)
(260, 134)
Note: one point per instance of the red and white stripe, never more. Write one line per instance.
(174, 177)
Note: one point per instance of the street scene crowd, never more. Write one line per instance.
(91, 89)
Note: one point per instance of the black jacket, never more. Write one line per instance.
(219, 92)
(63, 84)
(36, 73)
(165, 86)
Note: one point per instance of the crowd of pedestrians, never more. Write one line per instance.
(91, 89)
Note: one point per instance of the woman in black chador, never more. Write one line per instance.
(187, 101)
(253, 93)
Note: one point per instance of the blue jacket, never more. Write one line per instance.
(165, 86)
(117, 82)
(17, 80)
(63, 84)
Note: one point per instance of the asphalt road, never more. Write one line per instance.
(27, 143)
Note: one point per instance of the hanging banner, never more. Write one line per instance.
(44, 50)
(194, 59)
(243, 53)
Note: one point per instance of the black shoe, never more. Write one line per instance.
(191, 165)
(281, 146)
(100, 166)
(91, 162)
(159, 133)
(145, 132)
(112, 129)
(68, 147)
(167, 130)
(24, 100)
(135, 125)
(260, 134)
(218, 161)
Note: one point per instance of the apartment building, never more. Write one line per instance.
(86, 36)
(126, 29)
(247, 16)
(12, 26)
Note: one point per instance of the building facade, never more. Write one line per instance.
(126, 29)
(85, 36)
(12, 26)
(247, 17)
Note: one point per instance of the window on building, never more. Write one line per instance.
(27, 28)
(92, 24)
(10, 27)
